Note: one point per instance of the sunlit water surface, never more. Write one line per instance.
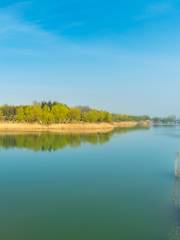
(119, 185)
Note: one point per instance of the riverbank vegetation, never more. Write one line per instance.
(54, 112)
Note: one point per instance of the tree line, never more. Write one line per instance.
(55, 112)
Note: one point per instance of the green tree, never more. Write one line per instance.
(74, 115)
(90, 116)
(36, 113)
(107, 117)
(1, 115)
(9, 112)
(47, 116)
(60, 113)
(33, 113)
(20, 116)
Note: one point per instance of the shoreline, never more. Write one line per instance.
(69, 127)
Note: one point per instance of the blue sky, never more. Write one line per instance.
(122, 56)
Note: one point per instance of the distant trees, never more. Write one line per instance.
(170, 119)
(165, 120)
(54, 112)
(122, 117)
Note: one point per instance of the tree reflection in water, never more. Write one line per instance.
(54, 141)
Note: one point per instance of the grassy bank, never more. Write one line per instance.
(69, 127)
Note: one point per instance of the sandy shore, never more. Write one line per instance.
(68, 128)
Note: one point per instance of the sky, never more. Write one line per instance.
(121, 56)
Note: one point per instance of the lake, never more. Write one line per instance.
(118, 185)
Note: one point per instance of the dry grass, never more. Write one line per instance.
(76, 127)
(130, 124)
(64, 128)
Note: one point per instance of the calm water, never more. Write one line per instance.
(90, 187)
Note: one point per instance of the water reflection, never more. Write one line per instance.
(171, 131)
(55, 141)
(177, 166)
(175, 233)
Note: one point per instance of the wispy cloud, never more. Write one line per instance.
(156, 9)
(12, 24)
(73, 25)
(160, 8)
(19, 37)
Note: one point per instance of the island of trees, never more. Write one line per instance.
(55, 112)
